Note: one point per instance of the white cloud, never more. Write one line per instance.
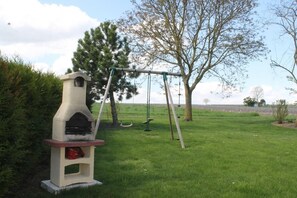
(36, 31)
(30, 21)
(61, 65)
(208, 89)
(272, 93)
(43, 67)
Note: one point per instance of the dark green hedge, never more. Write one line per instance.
(28, 102)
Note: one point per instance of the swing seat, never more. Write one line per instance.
(148, 120)
(126, 125)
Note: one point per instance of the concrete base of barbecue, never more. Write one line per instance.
(50, 187)
(59, 162)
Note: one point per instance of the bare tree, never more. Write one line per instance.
(198, 38)
(206, 101)
(286, 14)
(257, 93)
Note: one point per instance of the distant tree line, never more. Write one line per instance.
(257, 93)
(251, 102)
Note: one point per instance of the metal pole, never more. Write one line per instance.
(148, 103)
(103, 102)
(174, 115)
(146, 71)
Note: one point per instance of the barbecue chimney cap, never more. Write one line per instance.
(74, 75)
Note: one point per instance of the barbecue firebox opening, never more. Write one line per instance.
(78, 124)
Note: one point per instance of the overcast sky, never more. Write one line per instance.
(45, 34)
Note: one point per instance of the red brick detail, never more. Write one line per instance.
(58, 144)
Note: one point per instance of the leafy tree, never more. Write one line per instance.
(28, 101)
(286, 19)
(262, 103)
(199, 39)
(248, 101)
(101, 49)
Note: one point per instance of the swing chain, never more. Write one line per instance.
(148, 103)
(179, 89)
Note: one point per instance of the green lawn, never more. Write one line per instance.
(226, 155)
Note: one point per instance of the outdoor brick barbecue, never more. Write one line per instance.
(73, 137)
(73, 121)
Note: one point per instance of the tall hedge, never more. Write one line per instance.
(28, 102)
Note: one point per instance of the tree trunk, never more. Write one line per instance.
(113, 108)
(188, 107)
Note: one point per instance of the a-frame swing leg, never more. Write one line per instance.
(168, 108)
(174, 113)
(103, 102)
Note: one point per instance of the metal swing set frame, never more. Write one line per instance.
(169, 99)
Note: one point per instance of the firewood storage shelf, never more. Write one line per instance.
(59, 161)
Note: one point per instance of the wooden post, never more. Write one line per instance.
(168, 107)
(174, 115)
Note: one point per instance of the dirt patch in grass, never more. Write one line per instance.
(291, 125)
